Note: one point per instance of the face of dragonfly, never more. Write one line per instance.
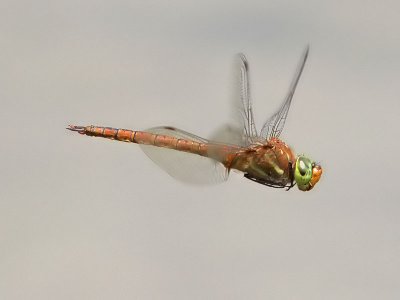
(307, 173)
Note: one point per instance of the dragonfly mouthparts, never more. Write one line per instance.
(79, 129)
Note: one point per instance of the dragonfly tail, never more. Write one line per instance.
(79, 129)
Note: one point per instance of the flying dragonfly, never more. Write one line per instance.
(260, 155)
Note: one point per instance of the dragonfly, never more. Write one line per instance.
(260, 155)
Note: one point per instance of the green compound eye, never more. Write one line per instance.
(303, 173)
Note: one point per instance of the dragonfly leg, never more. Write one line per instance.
(290, 186)
(291, 175)
(270, 184)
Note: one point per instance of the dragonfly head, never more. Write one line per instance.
(306, 173)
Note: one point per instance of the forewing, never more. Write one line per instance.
(244, 126)
(242, 131)
(274, 126)
(186, 167)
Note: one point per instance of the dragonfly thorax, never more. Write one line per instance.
(271, 163)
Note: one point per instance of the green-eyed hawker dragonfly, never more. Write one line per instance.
(260, 155)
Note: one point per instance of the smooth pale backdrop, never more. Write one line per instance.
(85, 218)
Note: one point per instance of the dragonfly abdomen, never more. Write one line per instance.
(143, 138)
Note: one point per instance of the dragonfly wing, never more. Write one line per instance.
(229, 134)
(244, 126)
(274, 126)
(186, 167)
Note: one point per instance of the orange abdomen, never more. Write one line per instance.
(221, 153)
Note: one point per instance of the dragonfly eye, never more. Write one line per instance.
(304, 165)
(303, 173)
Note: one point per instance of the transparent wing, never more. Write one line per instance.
(242, 130)
(243, 104)
(229, 134)
(274, 126)
(186, 167)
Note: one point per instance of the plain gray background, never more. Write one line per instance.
(86, 218)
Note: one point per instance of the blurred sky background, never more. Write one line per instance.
(86, 218)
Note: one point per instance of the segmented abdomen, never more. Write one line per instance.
(147, 138)
(219, 152)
